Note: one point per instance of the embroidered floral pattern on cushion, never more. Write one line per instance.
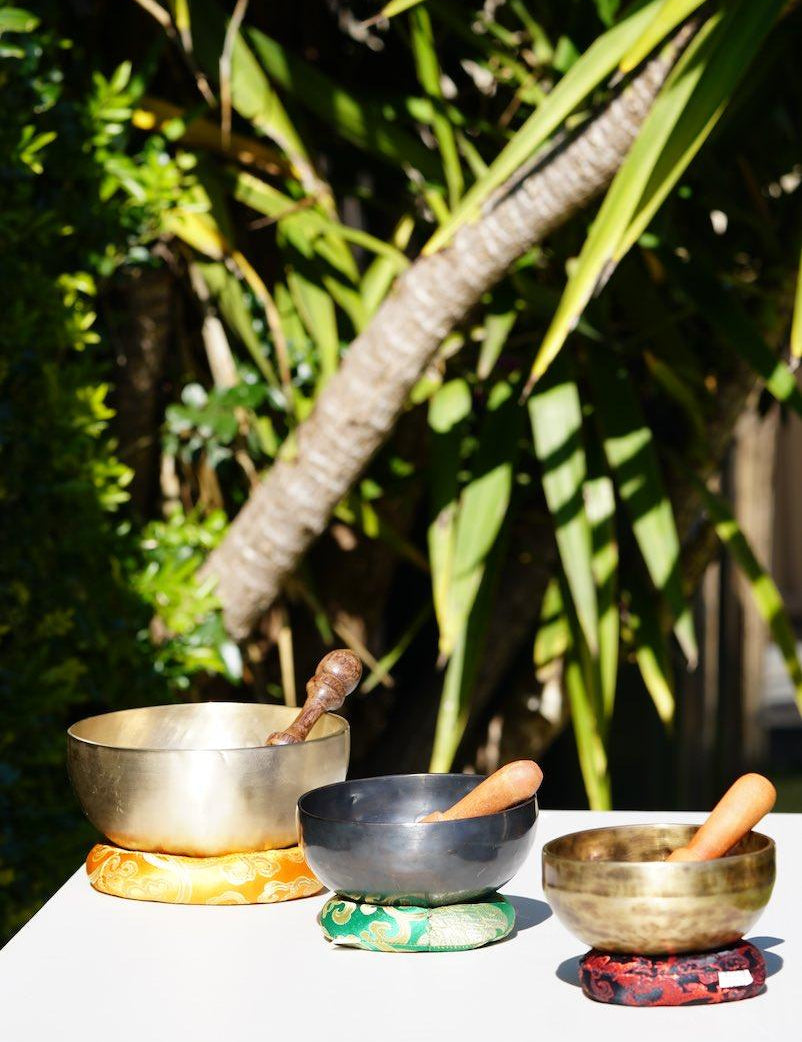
(382, 928)
(260, 877)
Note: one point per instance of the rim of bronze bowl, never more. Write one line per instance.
(612, 888)
(195, 779)
(361, 839)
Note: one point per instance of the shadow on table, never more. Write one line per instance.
(774, 962)
(528, 912)
(568, 970)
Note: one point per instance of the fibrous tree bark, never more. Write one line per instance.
(358, 409)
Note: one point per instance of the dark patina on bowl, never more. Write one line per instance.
(362, 840)
(614, 890)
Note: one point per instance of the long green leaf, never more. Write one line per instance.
(347, 298)
(742, 43)
(600, 508)
(318, 315)
(555, 413)
(252, 94)
(449, 409)
(588, 728)
(671, 13)
(796, 325)
(308, 227)
(595, 65)
(310, 230)
(767, 597)
(498, 324)
(621, 201)
(553, 635)
(388, 661)
(17, 20)
(730, 320)
(380, 275)
(477, 555)
(358, 511)
(680, 120)
(396, 7)
(463, 665)
(482, 507)
(630, 451)
(560, 652)
(460, 676)
(428, 68)
(363, 122)
(651, 651)
(298, 340)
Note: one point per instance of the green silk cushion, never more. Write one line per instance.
(382, 928)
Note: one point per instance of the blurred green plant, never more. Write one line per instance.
(484, 91)
(190, 637)
(78, 590)
(289, 174)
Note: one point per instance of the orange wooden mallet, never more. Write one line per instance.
(510, 784)
(736, 813)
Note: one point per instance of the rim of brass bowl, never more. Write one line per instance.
(196, 779)
(187, 707)
(609, 889)
(653, 876)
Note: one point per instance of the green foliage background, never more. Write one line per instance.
(70, 618)
(111, 162)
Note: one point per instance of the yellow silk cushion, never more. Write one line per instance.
(259, 877)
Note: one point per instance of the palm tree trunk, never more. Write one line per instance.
(359, 407)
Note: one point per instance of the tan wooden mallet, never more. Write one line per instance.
(736, 813)
(511, 784)
(336, 676)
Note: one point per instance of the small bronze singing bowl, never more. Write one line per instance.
(197, 779)
(612, 889)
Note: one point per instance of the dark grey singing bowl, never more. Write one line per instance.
(361, 839)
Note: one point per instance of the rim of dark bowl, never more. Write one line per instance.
(768, 844)
(409, 824)
(197, 748)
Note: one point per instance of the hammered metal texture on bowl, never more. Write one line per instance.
(612, 889)
(362, 840)
(196, 779)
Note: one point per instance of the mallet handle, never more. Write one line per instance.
(511, 784)
(335, 678)
(736, 813)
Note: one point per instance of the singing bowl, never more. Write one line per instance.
(612, 889)
(197, 779)
(361, 839)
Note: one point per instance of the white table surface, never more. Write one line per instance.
(91, 966)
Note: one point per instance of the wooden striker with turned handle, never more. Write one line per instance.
(336, 676)
(509, 785)
(737, 812)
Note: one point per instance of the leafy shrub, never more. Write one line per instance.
(71, 635)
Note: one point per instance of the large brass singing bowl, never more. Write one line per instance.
(613, 889)
(197, 779)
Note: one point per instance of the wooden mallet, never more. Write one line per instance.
(736, 813)
(336, 676)
(509, 785)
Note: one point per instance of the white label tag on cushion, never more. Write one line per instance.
(734, 978)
